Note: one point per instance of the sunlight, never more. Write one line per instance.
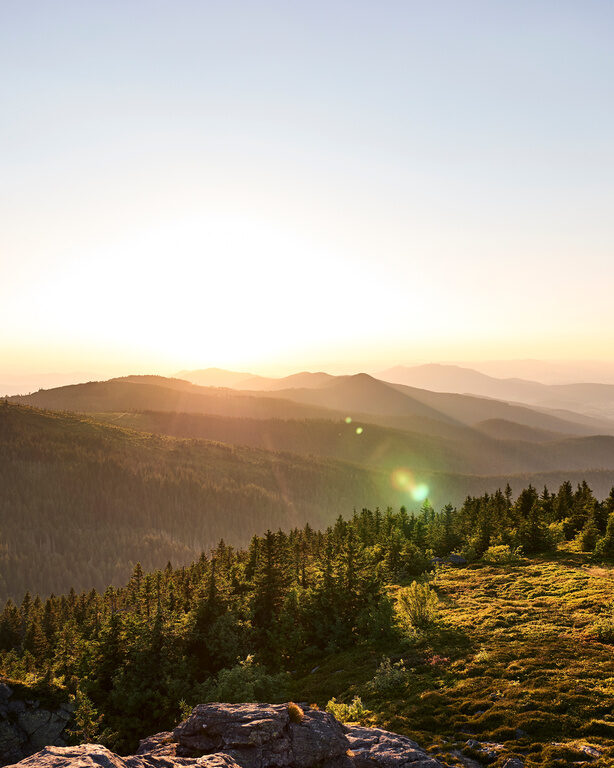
(226, 288)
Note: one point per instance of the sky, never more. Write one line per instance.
(273, 186)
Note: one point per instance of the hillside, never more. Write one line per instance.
(492, 448)
(81, 502)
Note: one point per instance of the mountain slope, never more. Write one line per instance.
(81, 501)
(480, 452)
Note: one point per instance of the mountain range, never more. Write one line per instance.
(156, 468)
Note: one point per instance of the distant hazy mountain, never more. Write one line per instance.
(547, 371)
(590, 399)
(214, 377)
(421, 409)
(134, 393)
(303, 380)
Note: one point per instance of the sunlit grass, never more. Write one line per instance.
(514, 659)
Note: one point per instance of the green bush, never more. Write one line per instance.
(502, 554)
(246, 681)
(417, 605)
(348, 713)
(603, 629)
(604, 548)
(389, 676)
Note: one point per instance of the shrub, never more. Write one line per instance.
(389, 676)
(348, 713)
(604, 547)
(603, 629)
(502, 554)
(246, 681)
(417, 605)
(295, 712)
(588, 536)
(556, 531)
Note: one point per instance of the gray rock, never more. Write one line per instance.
(26, 728)
(456, 560)
(32, 720)
(376, 748)
(262, 735)
(245, 736)
(97, 756)
(513, 762)
(466, 761)
(590, 751)
(160, 743)
(5, 692)
(487, 750)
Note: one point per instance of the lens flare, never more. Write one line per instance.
(359, 430)
(420, 492)
(403, 480)
(348, 419)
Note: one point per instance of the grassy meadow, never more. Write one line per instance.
(519, 659)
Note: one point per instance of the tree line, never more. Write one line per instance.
(133, 656)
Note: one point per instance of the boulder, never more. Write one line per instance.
(375, 748)
(262, 735)
(26, 727)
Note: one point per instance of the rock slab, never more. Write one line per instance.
(26, 727)
(251, 736)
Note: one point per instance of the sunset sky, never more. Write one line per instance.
(272, 186)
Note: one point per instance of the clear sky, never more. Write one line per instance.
(273, 186)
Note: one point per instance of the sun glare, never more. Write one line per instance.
(403, 480)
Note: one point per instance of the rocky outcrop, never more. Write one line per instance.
(251, 736)
(26, 726)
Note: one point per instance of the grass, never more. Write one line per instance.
(513, 660)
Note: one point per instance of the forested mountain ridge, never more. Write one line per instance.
(477, 451)
(81, 501)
